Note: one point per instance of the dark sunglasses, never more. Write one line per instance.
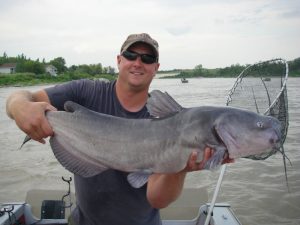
(145, 58)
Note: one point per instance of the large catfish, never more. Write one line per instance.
(87, 143)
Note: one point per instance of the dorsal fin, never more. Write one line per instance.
(162, 104)
(73, 107)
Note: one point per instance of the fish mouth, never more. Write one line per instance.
(275, 140)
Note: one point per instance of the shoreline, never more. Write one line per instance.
(29, 84)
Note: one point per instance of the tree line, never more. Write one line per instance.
(234, 70)
(27, 65)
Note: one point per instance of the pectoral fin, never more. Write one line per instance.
(138, 179)
(217, 158)
(77, 164)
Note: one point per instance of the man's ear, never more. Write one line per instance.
(118, 61)
(157, 66)
(156, 69)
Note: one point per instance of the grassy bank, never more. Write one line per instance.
(29, 79)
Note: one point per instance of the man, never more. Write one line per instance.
(107, 198)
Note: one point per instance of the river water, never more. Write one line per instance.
(256, 190)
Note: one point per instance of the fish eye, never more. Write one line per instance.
(260, 124)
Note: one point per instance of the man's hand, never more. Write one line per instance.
(194, 165)
(33, 121)
(28, 110)
(163, 189)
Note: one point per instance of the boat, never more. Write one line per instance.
(184, 80)
(186, 210)
(267, 79)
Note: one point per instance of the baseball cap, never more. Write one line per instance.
(144, 38)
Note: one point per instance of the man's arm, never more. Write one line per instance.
(28, 110)
(163, 189)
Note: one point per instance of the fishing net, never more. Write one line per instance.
(261, 87)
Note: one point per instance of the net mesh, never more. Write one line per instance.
(261, 88)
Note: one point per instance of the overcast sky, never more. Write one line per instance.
(214, 33)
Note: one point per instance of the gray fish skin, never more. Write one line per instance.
(87, 143)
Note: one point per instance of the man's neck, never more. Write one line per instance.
(131, 100)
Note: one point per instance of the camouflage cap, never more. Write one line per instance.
(144, 38)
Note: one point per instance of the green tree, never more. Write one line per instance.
(84, 69)
(110, 70)
(198, 70)
(294, 65)
(59, 63)
(30, 67)
(92, 69)
(4, 58)
(96, 68)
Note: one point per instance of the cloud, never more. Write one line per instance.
(213, 33)
(291, 14)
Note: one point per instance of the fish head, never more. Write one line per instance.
(246, 133)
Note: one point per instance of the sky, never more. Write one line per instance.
(213, 33)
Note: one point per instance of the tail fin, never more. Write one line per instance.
(26, 139)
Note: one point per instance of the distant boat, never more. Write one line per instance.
(267, 79)
(183, 80)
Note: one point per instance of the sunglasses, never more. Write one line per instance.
(145, 58)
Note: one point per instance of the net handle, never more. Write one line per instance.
(283, 86)
(217, 190)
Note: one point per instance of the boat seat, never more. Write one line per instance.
(35, 198)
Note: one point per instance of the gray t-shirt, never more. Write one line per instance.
(107, 198)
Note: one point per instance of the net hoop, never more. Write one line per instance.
(279, 101)
(241, 75)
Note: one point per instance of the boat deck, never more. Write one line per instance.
(189, 209)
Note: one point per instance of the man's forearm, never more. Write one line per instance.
(163, 189)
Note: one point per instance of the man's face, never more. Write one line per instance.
(135, 73)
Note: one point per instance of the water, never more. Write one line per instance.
(256, 190)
